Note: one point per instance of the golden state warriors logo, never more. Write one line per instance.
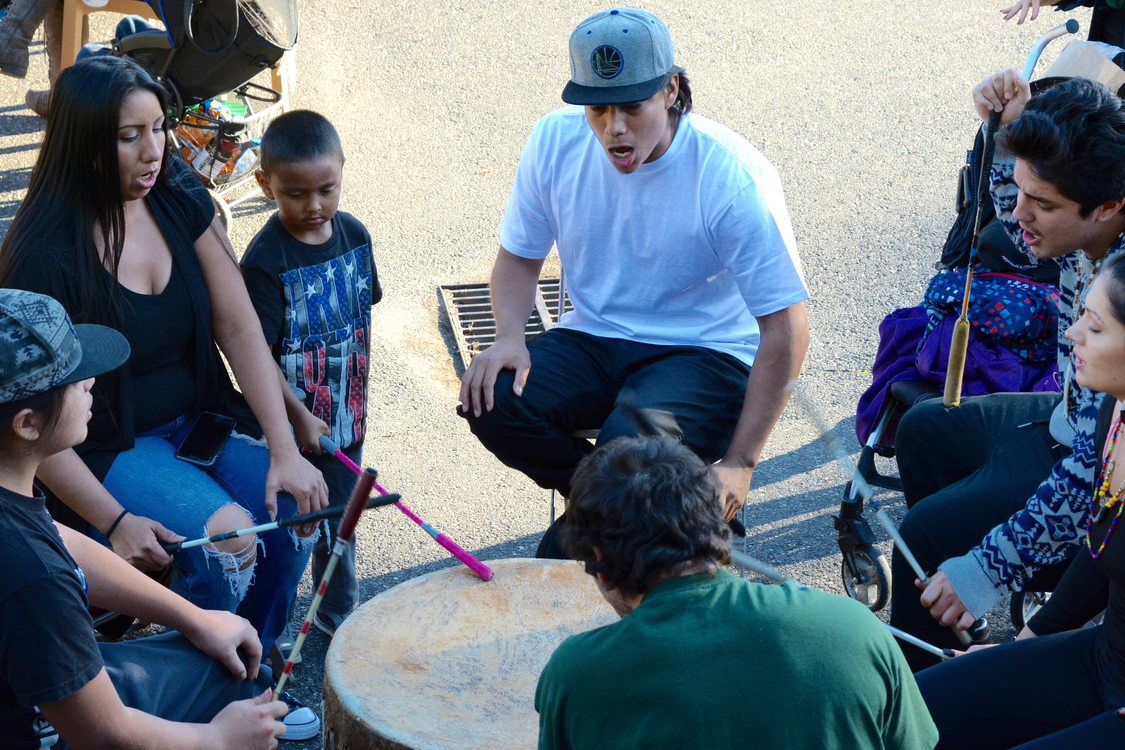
(606, 61)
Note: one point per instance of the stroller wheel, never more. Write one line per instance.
(1024, 605)
(867, 577)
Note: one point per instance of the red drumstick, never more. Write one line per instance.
(356, 504)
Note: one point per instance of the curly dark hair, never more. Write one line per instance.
(1073, 136)
(642, 509)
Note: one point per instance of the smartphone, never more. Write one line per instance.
(206, 438)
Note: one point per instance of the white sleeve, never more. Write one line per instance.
(753, 238)
(526, 229)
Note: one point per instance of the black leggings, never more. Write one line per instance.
(1047, 692)
(964, 471)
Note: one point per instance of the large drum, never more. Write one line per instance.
(446, 660)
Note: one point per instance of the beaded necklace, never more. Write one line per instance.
(1104, 501)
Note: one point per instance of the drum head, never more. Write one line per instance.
(446, 660)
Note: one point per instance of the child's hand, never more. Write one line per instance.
(308, 429)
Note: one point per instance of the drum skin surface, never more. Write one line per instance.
(446, 660)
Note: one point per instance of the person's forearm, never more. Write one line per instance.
(512, 287)
(117, 586)
(236, 330)
(258, 376)
(146, 730)
(66, 475)
(784, 342)
(94, 717)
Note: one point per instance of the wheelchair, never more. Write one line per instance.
(864, 569)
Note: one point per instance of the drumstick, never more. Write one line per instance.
(316, 515)
(959, 344)
(866, 494)
(344, 535)
(754, 565)
(942, 653)
(742, 560)
(483, 571)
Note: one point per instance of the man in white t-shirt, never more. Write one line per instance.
(680, 261)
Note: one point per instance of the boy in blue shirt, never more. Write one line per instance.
(312, 278)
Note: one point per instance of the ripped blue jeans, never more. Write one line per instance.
(148, 480)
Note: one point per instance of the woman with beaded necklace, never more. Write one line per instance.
(1051, 688)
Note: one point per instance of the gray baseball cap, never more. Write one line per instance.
(41, 349)
(618, 56)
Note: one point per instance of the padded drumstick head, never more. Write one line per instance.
(956, 372)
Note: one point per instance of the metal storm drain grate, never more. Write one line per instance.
(470, 314)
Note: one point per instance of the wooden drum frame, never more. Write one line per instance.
(446, 660)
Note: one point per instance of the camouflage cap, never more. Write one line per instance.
(41, 349)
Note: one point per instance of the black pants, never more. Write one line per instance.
(964, 470)
(584, 382)
(1047, 692)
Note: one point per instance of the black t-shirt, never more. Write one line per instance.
(314, 302)
(47, 646)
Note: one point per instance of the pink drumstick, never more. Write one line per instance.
(483, 571)
(356, 503)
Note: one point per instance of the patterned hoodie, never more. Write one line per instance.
(1050, 527)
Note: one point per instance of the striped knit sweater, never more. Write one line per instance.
(1050, 527)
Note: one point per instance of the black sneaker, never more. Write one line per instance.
(323, 625)
(301, 723)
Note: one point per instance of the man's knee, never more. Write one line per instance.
(913, 523)
(505, 414)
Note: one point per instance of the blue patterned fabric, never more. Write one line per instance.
(1018, 314)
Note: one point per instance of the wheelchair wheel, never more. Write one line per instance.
(1024, 605)
(867, 577)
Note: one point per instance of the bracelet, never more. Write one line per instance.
(116, 521)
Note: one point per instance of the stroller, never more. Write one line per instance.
(206, 57)
(864, 569)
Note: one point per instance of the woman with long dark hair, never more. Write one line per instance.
(123, 234)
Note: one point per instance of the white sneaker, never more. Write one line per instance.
(301, 723)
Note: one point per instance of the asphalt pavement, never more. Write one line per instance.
(863, 108)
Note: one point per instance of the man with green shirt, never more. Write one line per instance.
(701, 658)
